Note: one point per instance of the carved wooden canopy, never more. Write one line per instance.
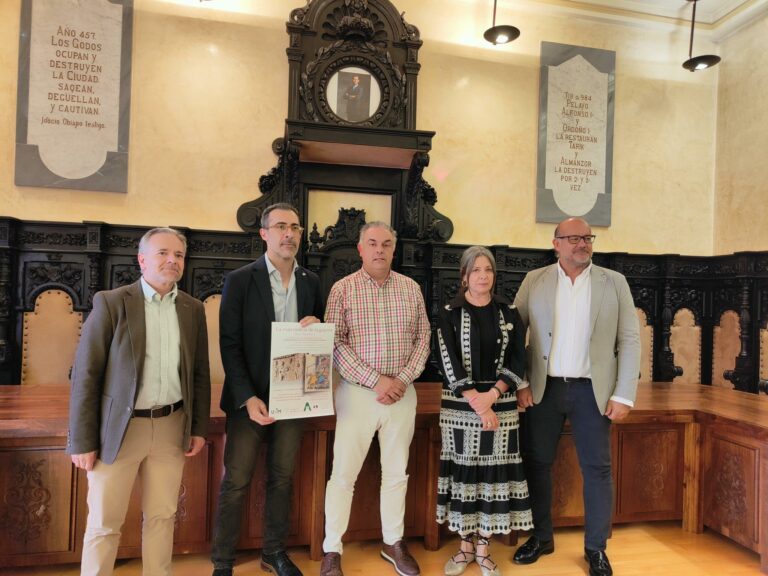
(351, 127)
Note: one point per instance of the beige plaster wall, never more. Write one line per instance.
(741, 205)
(209, 96)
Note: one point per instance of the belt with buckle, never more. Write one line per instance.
(568, 380)
(159, 411)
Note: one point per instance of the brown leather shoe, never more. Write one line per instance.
(331, 565)
(401, 559)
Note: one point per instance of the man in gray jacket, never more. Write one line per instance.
(583, 364)
(140, 403)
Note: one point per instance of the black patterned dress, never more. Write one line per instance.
(482, 486)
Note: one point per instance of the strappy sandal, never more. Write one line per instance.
(487, 566)
(458, 563)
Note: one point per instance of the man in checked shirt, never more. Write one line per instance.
(382, 344)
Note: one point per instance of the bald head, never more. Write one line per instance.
(573, 244)
(569, 223)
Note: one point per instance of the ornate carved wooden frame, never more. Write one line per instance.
(326, 37)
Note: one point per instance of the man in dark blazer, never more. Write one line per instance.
(356, 106)
(140, 403)
(274, 288)
(583, 364)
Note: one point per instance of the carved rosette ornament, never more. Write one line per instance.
(124, 274)
(344, 267)
(208, 281)
(645, 298)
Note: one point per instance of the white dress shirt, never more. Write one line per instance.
(284, 299)
(569, 356)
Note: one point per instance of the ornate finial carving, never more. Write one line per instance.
(347, 228)
(299, 14)
(411, 32)
(356, 20)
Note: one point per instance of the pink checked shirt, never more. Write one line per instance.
(379, 329)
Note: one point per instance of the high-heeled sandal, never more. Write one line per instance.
(487, 566)
(458, 563)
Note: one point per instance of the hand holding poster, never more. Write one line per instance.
(300, 383)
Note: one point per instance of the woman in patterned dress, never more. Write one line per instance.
(482, 489)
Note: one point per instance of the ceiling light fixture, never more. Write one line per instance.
(500, 34)
(699, 62)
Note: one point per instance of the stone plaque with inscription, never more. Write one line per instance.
(576, 96)
(74, 94)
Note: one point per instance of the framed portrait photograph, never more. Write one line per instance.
(357, 94)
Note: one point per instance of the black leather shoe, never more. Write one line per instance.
(529, 552)
(279, 564)
(598, 563)
(222, 572)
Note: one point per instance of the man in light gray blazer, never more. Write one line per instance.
(583, 364)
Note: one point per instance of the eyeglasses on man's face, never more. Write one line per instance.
(282, 227)
(588, 239)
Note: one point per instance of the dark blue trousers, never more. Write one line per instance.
(542, 425)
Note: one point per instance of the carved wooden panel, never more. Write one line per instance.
(731, 484)
(726, 347)
(685, 342)
(567, 485)
(193, 515)
(54, 272)
(35, 502)
(650, 472)
(646, 347)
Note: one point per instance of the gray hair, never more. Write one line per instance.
(279, 206)
(468, 259)
(376, 224)
(149, 233)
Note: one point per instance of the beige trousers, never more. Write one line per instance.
(152, 449)
(358, 418)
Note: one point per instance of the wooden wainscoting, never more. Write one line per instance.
(690, 453)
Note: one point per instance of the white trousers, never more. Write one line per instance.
(152, 450)
(358, 417)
